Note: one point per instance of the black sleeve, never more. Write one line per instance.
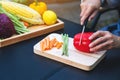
(113, 3)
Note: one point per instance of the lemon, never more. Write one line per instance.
(49, 17)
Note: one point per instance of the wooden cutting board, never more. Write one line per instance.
(34, 32)
(81, 60)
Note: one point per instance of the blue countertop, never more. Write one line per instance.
(18, 62)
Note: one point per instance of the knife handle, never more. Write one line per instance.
(86, 21)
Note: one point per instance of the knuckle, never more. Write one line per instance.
(101, 38)
(107, 32)
(99, 31)
(112, 41)
(109, 36)
(91, 6)
(82, 4)
(98, 48)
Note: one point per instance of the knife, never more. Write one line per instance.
(83, 30)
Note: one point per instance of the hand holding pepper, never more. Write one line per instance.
(103, 40)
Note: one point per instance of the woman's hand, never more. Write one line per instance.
(89, 8)
(103, 40)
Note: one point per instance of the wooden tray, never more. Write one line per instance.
(81, 60)
(34, 32)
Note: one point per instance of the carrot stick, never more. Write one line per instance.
(47, 43)
(56, 43)
(42, 45)
(52, 42)
(59, 45)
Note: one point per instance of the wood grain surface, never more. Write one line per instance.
(34, 32)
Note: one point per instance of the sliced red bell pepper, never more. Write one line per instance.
(84, 46)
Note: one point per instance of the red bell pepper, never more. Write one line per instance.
(84, 46)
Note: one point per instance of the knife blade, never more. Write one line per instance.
(83, 30)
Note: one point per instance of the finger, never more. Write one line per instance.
(83, 8)
(87, 13)
(82, 15)
(98, 41)
(93, 15)
(103, 46)
(83, 19)
(96, 35)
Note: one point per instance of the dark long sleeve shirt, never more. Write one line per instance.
(113, 3)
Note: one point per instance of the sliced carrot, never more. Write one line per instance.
(56, 43)
(59, 45)
(47, 43)
(52, 42)
(42, 45)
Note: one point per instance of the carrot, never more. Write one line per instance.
(47, 43)
(42, 45)
(52, 42)
(59, 45)
(56, 43)
(26, 24)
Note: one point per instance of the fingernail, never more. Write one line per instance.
(89, 38)
(91, 50)
(81, 23)
(89, 19)
(90, 45)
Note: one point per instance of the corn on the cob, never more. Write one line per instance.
(24, 12)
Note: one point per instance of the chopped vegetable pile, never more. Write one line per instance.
(47, 44)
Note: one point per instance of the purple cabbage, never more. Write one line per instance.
(6, 26)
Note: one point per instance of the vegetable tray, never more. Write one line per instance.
(75, 58)
(34, 32)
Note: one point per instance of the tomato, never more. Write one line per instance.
(84, 46)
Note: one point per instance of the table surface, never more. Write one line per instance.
(18, 62)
